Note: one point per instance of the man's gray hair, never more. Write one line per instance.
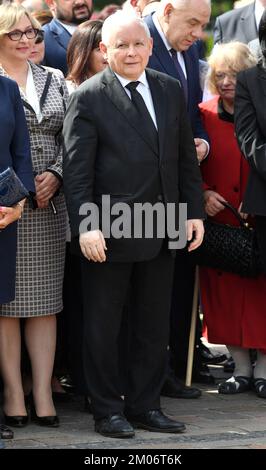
(118, 19)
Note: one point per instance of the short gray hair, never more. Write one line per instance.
(120, 18)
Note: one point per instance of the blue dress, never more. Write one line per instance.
(14, 152)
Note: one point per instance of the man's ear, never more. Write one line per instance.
(51, 4)
(167, 12)
(103, 49)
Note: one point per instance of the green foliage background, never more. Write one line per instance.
(218, 6)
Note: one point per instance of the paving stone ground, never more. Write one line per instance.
(213, 421)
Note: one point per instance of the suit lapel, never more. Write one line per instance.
(115, 92)
(157, 87)
(160, 51)
(248, 23)
(61, 35)
(22, 92)
(162, 55)
(189, 67)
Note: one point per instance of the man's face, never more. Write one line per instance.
(73, 11)
(128, 50)
(183, 27)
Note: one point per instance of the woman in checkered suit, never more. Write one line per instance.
(15, 153)
(41, 232)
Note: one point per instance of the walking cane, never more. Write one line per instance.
(191, 343)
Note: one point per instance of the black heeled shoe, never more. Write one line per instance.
(16, 421)
(50, 421)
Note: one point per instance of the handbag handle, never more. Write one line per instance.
(235, 212)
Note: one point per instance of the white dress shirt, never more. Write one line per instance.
(31, 95)
(258, 11)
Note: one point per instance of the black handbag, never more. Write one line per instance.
(12, 190)
(230, 248)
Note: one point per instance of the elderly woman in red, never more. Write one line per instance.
(233, 306)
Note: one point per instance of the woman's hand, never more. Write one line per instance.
(8, 215)
(213, 202)
(46, 186)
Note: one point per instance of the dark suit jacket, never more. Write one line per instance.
(250, 121)
(14, 152)
(162, 62)
(56, 40)
(236, 25)
(107, 152)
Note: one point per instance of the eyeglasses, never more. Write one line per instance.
(16, 35)
(220, 76)
(39, 37)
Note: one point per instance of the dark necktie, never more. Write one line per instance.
(142, 109)
(180, 73)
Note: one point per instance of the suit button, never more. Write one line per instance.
(160, 197)
(236, 189)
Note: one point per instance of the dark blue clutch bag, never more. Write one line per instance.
(12, 190)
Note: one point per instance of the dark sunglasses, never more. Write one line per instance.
(39, 37)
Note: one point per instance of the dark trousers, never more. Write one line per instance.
(72, 321)
(181, 309)
(106, 287)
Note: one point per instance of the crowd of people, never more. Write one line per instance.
(102, 113)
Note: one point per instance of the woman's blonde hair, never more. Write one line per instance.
(235, 56)
(10, 14)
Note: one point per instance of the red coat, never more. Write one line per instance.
(234, 307)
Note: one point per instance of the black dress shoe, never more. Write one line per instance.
(5, 432)
(16, 421)
(173, 388)
(155, 420)
(114, 425)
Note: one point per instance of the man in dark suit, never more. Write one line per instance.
(68, 14)
(127, 135)
(176, 28)
(240, 24)
(175, 40)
